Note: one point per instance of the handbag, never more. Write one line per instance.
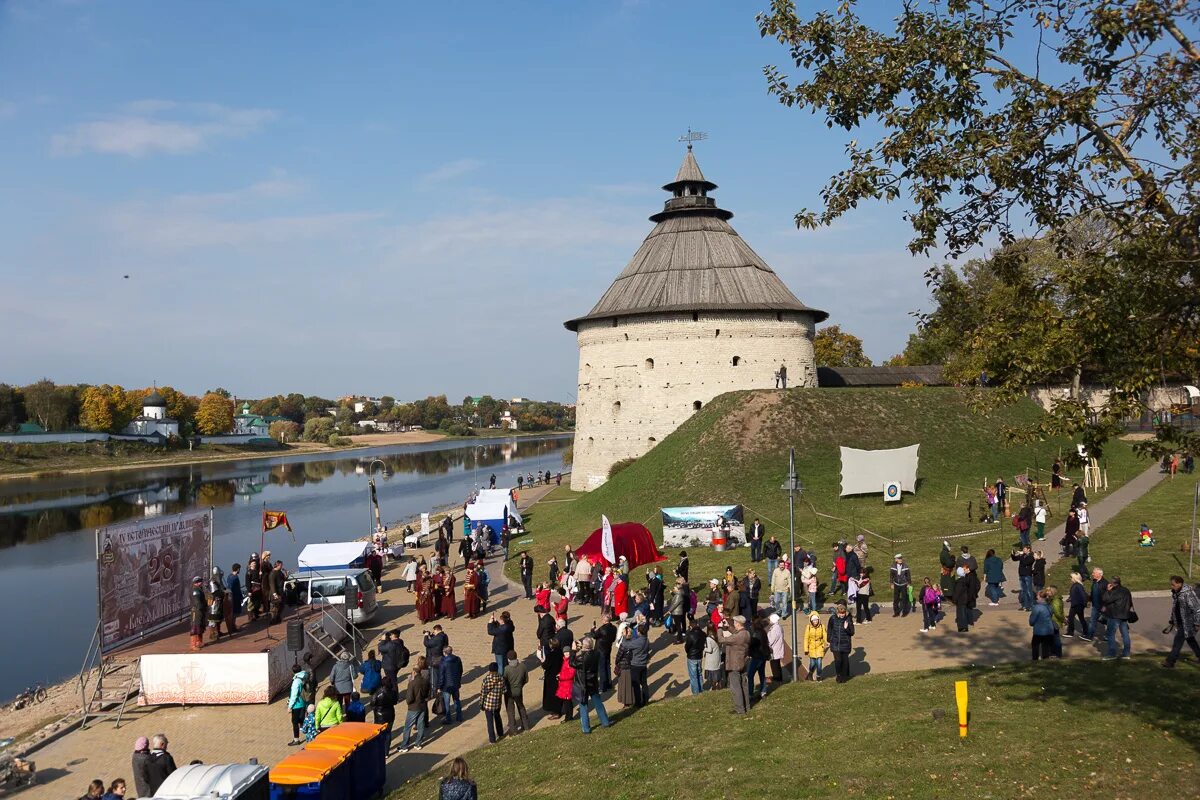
(439, 704)
(1133, 617)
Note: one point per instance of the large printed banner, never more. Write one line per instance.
(145, 571)
(693, 526)
(205, 678)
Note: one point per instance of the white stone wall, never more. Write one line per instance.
(640, 379)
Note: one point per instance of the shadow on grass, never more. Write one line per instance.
(1163, 699)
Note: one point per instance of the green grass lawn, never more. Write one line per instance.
(735, 451)
(1167, 509)
(1053, 729)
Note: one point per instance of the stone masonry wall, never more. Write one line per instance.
(640, 379)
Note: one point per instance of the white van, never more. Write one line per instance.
(350, 591)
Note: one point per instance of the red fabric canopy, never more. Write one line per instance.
(630, 539)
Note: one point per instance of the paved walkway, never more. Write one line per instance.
(217, 734)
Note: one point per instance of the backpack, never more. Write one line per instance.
(308, 688)
(402, 656)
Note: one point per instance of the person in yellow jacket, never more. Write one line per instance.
(329, 710)
(816, 642)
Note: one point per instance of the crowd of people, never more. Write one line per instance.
(731, 632)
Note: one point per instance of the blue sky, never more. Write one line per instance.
(387, 198)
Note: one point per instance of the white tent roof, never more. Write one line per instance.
(502, 496)
(481, 511)
(331, 555)
(1192, 392)
(209, 781)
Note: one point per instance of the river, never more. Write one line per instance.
(47, 540)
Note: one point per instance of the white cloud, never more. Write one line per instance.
(448, 172)
(160, 126)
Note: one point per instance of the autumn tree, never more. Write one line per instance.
(95, 411)
(55, 408)
(12, 407)
(284, 431)
(180, 406)
(833, 347)
(1018, 117)
(214, 414)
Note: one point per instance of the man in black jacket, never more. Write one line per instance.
(586, 688)
(435, 645)
(1024, 558)
(545, 625)
(773, 551)
(1118, 607)
(605, 635)
(681, 570)
(754, 589)
(501, 632)
(966, 589)
(383, 707)
(756, 540)
(160, 764)
(693, 648)
(527, 574)
(900, 578)
(390, 655)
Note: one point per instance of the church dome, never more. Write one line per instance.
(154, 399)
(693, 260)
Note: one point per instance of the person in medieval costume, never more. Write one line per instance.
(199, 605)
(471, 593)
(254, 586)
(426, 610)
(449, 603)
(216, 609)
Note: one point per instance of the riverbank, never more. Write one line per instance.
(34, 725)
(24, 462)
(47, 461)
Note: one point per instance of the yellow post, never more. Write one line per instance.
(960, 695)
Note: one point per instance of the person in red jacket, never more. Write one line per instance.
(621, 597)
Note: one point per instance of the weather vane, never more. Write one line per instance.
(693, 136)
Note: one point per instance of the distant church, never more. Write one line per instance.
(694, 314)
(153, 421)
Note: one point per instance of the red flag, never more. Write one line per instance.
(274, 519)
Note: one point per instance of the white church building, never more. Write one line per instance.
(153, 420)
(694, 314)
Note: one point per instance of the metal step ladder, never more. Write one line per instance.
(352, 641)
(117, 682)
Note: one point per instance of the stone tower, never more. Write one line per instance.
(694, 314)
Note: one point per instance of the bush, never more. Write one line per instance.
(318, 429)
(339, 441)
(620, 466)
(459, 429)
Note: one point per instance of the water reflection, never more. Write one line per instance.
(32, 511)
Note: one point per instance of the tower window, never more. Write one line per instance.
(718, 331)
(617, 407)
(591, 441)
(649, 363)
(696, 405)
(737, 360)
(695, 317)
(778, 317)
(652, 440)
(614, 322)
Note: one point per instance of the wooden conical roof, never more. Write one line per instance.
(694, 260)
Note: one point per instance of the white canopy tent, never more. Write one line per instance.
(502, 496)
(478, 511)
(328, 556)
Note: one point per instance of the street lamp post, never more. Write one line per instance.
(793, 487)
